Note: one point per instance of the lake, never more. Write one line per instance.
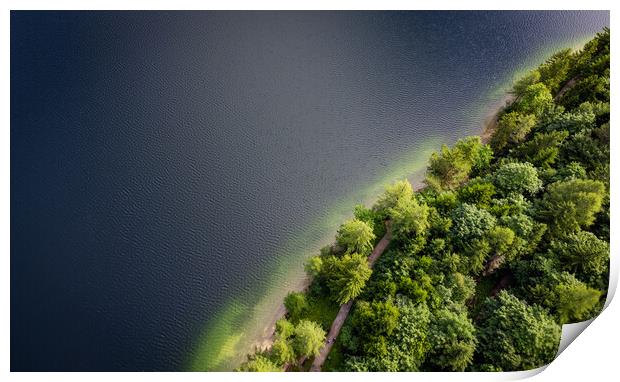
(171, 171)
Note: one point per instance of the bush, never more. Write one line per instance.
(470, 222)
(519, 178)
(296, 304)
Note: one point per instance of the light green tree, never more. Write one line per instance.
(409, 218)
(392, 194)
(282, 351)
(535, 99)
(308, 338)
(451, 167)
(314, 266)
(296, 304)
(583, 254)
(259, 363)
(470, 222)
(520, 86)
(347, 276)
(355, 236)
(575, 300)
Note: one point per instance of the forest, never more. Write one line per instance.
(507, 241)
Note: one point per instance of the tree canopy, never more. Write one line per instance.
(515, 335)
(346, 276)
(309, 338)
(355, 236)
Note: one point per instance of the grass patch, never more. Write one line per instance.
(321, 310)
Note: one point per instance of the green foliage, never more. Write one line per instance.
(585, 149)
(519, 89)
(409, 218)
(512, 128)
(573, 170)
(451, 167)
(520, 178)
(512, 204)
(515, 335)
(296, 305)
(370, 217)
(392, 194)
(528, 233)
(445, 201)
(364, 214)
(554, 72)
(500, 238)
(346, 276)
(534, 99)
(314, 266)
(259, 363)
(452, 340)
(470, 222)
(543, 150)
(407, 346)
(568, 205)
(375, 319)
(477, 192)
(475, 255)
(575, 300)
(308, 338)
(573, 122)
(284, 328)
(282, 351)
(355, 236)
(591, 88)
(583, 254)
(462, 287)
(321, 309)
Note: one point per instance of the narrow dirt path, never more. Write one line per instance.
(343, 313)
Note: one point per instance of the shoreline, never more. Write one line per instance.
(489, 124)
(492, 117)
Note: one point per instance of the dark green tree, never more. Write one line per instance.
(585, 255)
(512, 128)
(452, 340)
(516, 336)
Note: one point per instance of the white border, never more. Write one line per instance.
(592, 355)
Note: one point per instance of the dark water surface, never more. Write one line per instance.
(163, 163)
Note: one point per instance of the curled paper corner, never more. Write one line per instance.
(572, 331)
(569, 333)
(520, 375)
